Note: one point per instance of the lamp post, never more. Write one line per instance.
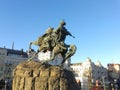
(89, 78)
(6, 84)
(103, 79)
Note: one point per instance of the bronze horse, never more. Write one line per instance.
(66, 52)
(53, 41)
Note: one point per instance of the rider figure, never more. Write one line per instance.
(62, 32)
(47, 38)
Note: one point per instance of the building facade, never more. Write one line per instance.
(88, 72)
(114, 67)
(9, 59)
(114, 71)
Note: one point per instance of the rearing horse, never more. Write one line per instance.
(54, 42)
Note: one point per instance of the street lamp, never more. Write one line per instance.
(6, 84)
(103, 79)
(89, 77)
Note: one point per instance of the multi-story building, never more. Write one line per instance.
(114, 67)
(77, 70)
(114, 71)
(9, 58)
(88, 72)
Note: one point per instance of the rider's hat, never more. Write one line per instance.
(62, 22)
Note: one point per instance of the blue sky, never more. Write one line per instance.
(94, 23)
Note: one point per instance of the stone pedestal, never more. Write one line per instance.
(33, 75)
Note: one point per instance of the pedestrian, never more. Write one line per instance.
(79, 83)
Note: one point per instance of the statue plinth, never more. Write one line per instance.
(33, 75)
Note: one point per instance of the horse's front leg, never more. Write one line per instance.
(63, 61)
(52, 57)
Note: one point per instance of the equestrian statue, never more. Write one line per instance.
(54, 40)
